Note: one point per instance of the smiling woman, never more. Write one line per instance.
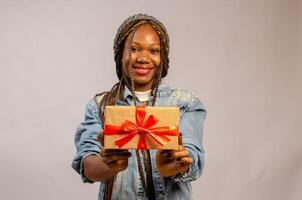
(144, 48)
(141, 50)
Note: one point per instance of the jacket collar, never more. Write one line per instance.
(162, 87)
(128, 95)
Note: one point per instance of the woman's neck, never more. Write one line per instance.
(143, 95)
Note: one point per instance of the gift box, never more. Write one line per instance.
(141, 127)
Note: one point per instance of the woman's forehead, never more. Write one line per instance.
(146, 34)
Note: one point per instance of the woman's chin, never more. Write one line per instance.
(143, 84)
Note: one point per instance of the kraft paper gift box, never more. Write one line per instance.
(130, 127)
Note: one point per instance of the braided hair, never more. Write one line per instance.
(127, 30)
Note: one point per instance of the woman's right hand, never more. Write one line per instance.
(115, 159)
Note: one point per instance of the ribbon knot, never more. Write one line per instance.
(142, 130)
(142, 127)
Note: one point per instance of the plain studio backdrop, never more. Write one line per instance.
(242, 58)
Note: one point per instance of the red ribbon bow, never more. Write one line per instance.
(143, 127)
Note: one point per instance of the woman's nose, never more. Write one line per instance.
(143, 57)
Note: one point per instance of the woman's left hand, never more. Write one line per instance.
(172, 162)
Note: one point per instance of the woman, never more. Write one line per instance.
(141, 50)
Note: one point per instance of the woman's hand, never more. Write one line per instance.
(172, 162)
(115, 159)
(110, 162)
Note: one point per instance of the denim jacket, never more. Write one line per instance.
(127, 184)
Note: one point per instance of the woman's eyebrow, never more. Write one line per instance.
(153, 44)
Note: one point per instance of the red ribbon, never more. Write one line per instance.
(142, 127)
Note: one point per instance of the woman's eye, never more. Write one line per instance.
(134, 49)
(154, 51)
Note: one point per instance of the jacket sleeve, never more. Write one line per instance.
(86, 138)
(191, 126)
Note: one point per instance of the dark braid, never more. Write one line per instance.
(127, 30)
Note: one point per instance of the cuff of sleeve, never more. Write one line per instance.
(186, 176)
(84, 179)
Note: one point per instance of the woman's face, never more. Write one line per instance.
(145, 56)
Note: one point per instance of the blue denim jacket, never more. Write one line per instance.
(128, 184)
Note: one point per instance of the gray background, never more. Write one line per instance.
(243, 58)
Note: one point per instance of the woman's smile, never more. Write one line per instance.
(142, 71)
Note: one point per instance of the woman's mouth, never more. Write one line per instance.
(142, 71)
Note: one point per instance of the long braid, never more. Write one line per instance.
(132, 88)
(127, 30)
(108, 99)
(162, 63)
